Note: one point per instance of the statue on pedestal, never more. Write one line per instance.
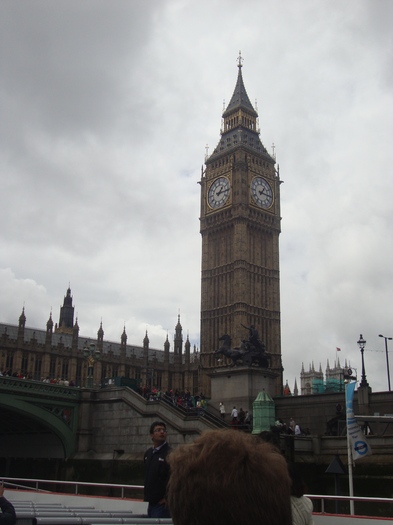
(250, 353)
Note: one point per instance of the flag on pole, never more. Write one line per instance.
(355, 436)
(338, 349)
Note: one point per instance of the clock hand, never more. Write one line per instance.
(219, 192)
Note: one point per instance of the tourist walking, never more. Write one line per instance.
(234, 415)
(248, 420)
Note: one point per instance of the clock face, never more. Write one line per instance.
(218, 192)
(261, 192)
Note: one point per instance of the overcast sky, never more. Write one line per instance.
(106, 111)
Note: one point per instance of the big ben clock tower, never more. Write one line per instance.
(240, 227)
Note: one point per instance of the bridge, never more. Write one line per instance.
(41, 420)
(37, 418)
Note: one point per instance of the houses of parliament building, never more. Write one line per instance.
(59, 352)
(240, 225)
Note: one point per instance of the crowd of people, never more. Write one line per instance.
(292, 429)
(51, 380)
(9, 373)
(240, 419)
(180, 398)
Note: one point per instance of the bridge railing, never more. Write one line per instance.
(26, 386)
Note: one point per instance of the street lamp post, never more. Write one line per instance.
(92, 355)
(362, 344)
(387, 356)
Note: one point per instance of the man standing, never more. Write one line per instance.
(157, 472)
(222, 410)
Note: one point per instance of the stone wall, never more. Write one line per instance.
(314, 411)
(117, 419)
(114, 425)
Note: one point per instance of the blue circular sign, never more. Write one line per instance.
(361, 447)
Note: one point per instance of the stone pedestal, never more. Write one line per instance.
(239, 386)
(364, 395)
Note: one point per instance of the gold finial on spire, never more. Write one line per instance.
(240, 60)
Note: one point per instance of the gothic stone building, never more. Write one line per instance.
(59, 352)
(314, 382)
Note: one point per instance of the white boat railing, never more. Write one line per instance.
(124, 491)
(77, 486)
(387, 503)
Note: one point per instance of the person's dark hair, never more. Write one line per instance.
(298, 486)
(227, 477)
(156, 424)
(270, 436)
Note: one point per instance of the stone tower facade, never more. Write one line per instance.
(240, 227)
(314, 382)
(66, 318)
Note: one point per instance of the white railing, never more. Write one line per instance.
(323, 498)
(115, 490)
(78, 486)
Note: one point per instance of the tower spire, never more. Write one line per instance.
(239, 124)
(66, 318)
(240, 60)
(240, 98)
